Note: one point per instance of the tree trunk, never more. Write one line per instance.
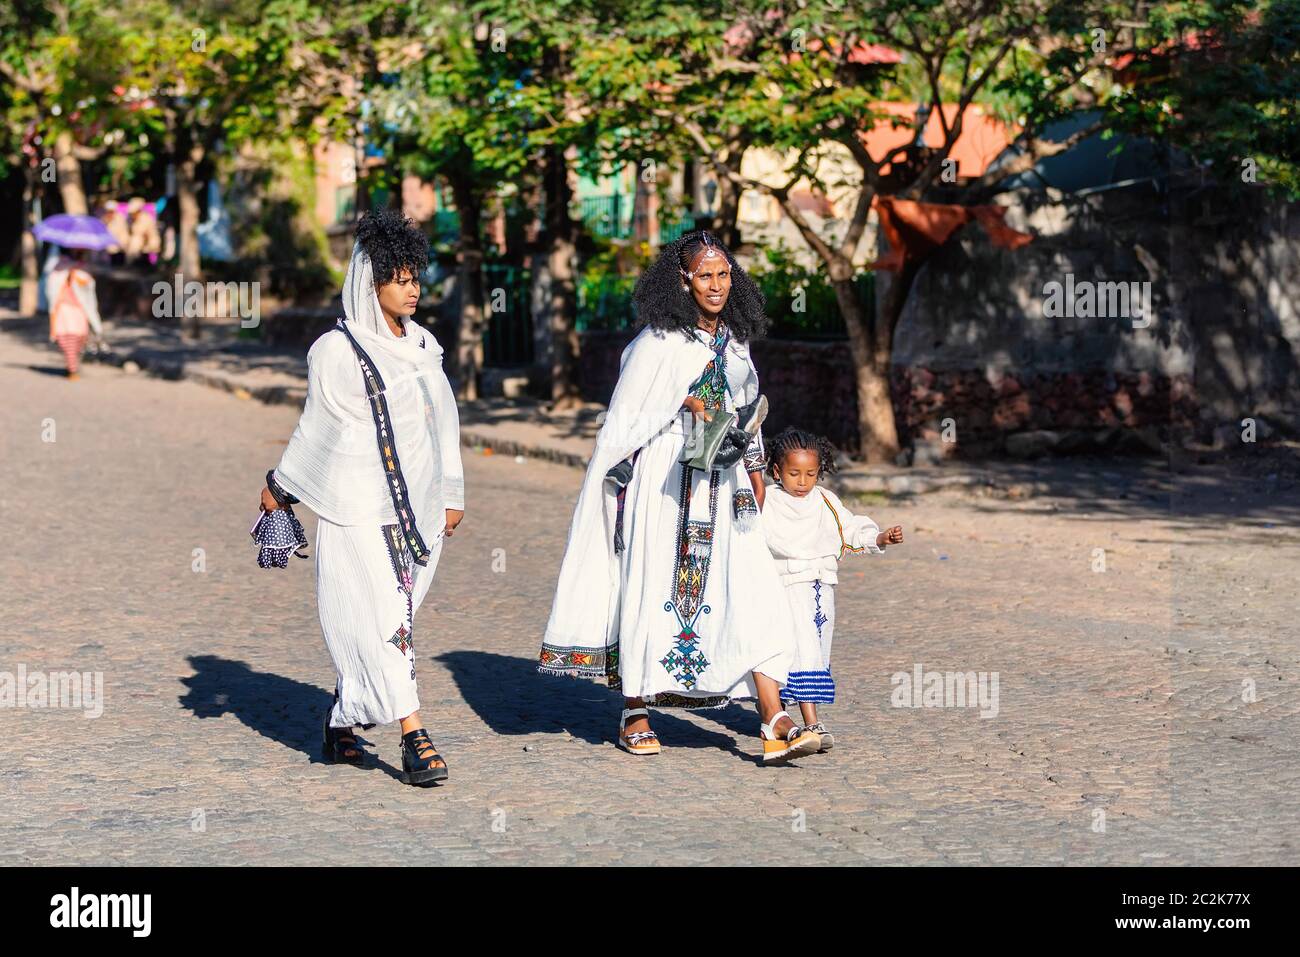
(187, 230)
(876, 407)
(469, 279)
(728, 199)
(554, 292)
(877, 431)
(68, 170)
(28, 290)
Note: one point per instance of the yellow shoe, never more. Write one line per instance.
(638, 742)
(777, 750)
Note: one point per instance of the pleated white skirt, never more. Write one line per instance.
(367, 591)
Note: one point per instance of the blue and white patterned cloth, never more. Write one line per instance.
(278, 533)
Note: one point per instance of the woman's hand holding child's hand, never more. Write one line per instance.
(696, 406)
(890, 536)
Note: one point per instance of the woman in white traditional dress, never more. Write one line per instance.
(667, 587)
(376, 455)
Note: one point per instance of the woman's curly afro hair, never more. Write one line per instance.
(662, 303)
(791, 440)
(393, 243)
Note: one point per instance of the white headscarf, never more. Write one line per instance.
(360, 299)
(361, 306)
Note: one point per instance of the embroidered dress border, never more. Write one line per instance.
(388, 451)
(670, 699)
(685, 662)
(581, 662)
(403, 639)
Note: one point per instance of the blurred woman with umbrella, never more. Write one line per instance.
(69, 286)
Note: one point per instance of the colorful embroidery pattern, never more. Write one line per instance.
(744, 506)
(711, 386)
(585, 662)
(839, 526)
(402, 639)
(400, 558)
(685, 662)
(668, 699)
(813, 687)
(819, 617)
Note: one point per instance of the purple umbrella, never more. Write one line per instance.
(74, 232)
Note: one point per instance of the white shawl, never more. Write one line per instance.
(332, 460)
(655, 374)
(804, 535)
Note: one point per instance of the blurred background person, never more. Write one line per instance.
(74, 308)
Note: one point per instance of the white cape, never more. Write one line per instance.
(332, 460)
(807, 538)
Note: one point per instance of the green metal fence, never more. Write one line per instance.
(508, 336)
(446, 227)
(609, 217)
(672, 231)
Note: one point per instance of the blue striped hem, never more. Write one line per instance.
(814, 687)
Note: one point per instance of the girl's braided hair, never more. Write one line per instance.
(662, 303)
(793, 440)
(393, 243)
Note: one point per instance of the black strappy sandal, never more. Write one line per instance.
(340, 744)
(418, 755)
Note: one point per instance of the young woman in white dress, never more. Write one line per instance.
(376, 455)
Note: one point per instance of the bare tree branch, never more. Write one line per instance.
(780, 193)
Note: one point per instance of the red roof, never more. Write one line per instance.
(983, 136)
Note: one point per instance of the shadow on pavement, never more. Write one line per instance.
(56, 371)
(511, 697)
(287, 711)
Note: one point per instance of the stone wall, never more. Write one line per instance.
(809, 384)
(978, 359)
(1223, 342)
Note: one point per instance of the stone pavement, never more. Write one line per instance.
(1147, 713)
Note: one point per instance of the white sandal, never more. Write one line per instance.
(798, 741)
(638, 742)
(828, 739)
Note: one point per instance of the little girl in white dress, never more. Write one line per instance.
(808, 531)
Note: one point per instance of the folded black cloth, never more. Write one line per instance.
(279, 494)
(732, 448)
(278, 533)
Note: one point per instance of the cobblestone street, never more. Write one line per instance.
(1147, 713)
